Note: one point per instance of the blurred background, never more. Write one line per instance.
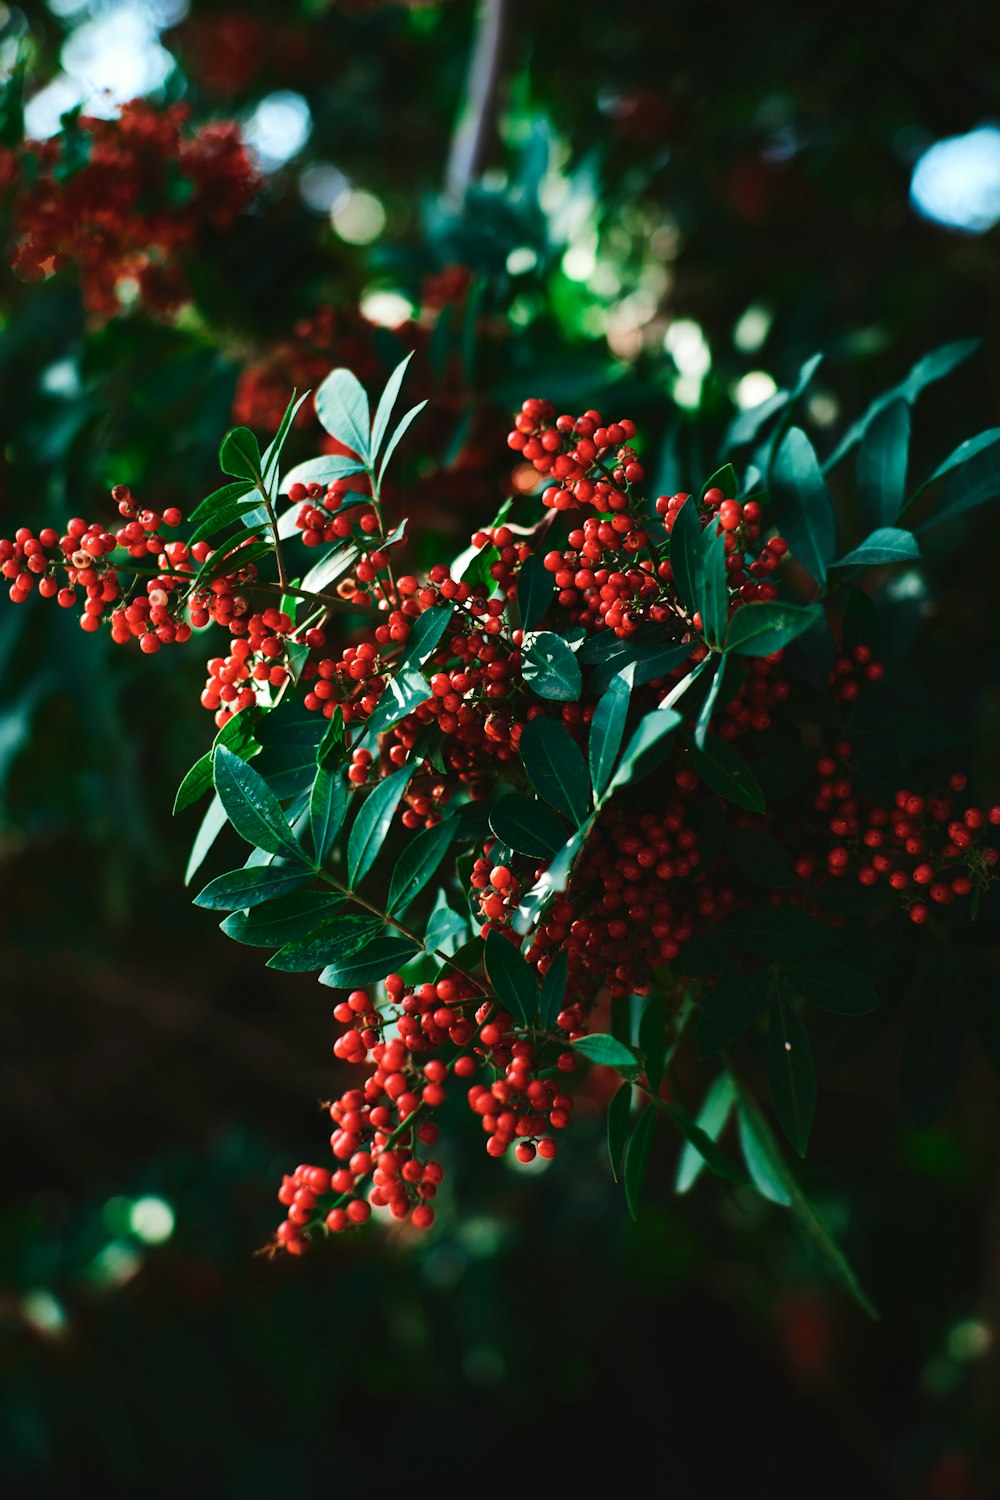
(661, 212)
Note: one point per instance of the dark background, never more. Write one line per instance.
(155, 1080)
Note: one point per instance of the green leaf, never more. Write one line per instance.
(722, 768)
(554, 990)
(758, 855)
(373, 823)
(831, 986)
(759, 629)
(322, 470)
(889, 544)
(779, 932)
(713, 586)
(550, 668)
(711, 1121)
(237, 734)
(974, 484)
(768, 1172)
(714, 1157)
(282, 920)
(686, 552)
(647, 747)
(608, 1052)
(535, 586)
(732, 1006)
(334, 940)
(619, 1111)
(381, 957)
(241, 889)
(637, 1157)
(342, 408)
(400, 696)
(527, 825)
(446, 931)
(333, 738)
(556, 768)
(425, 636)
(417, 864)
(708, 707)
(272, 454)
(387, 401)
(239, 454)
(932, 367)
(211, 826)
(723, 479)
(649, 659)
(882, 459)
(513, 979)
(327, 810)
(961, 455)
(791, 1073)
(607, 729)
(252, 807)
(400, 432)
(222, 501)
(807, 519)
(653, 1038)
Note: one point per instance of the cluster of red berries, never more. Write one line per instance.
(121, 199)
(851, 670)
(256, 662)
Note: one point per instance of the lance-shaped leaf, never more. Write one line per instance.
(602, 1048)
(342, 408)
(889, 544)
(241, 889)
(535, 585)
(211, 826)
(513, 979)
(382, 956)
(400, 696)
(708, 707)
(960, 456)
(713, 586)
(397, 436)
(272, 454)
(649, 745)
(280, 921)
(807, 519)
(759, 629)
(686, 552)
(554, 989)
(252, 807)
(649, 659)
(723, 479)
(373, 823)
(527, 825)
(973, 484)
(417, 863)
(882, 459)
(732, 1006)
(711, 1120)
(607, 729)
(383, 413)
(239, 454)
(425, 636)
(322, 470)
(619, 1111)
(327, 810)
(721, 767)
(237, 734)
(222, 501)
(712, 1155)
(791, 1073)
(637, 1157)
(556, 768)
(334, 940)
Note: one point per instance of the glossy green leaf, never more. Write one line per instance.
(417, 864)
(527, 825)
(387, 401)
(272, 454)
(369, 966)
(446, 931)
(760, 1152)
(239, 454)
(373, 823)
(282, 920)
(882, 460)
(514, 981)
(889, 544)
(759, 629)
(607, 729)
(400, 696)
(252, 807)
(425, 636)
(554, 990)
(342, 408)
(648, 658)
(791, 1073)
(619, 1112)
(333, 737)
(973, 484)
(713, 586)
(963, 454)
(722, 768)
(322, 470)
(831, 986)
(222, 501)
(550, 668)
(653, 1038)
(713, 1156)
(237, 734)
(327, 810)
(637, 1157)
(686, 552)
(711, 1120)
(334, 940)
(212, 824)
(535, 587)
(647, 748)
(609, 1052)
(556, 767)
(402, 427)
(806, 514)
(241, 889)
(708, 707)
(723, 479)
